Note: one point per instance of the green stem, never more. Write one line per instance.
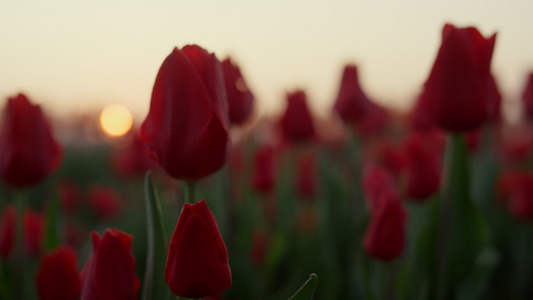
(191, 191)
(20, 252)
(388, 274)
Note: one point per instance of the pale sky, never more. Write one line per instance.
(74, 56)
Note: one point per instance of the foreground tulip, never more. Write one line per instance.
(28, 151)
(297, 122)
(459, 92)
(187, 126)
(110, 270)
(385, 236)
(57, 277)
(197, 263)
(351, 103)
(240, 99)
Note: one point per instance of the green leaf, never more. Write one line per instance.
(154, 286)
(476, 282)
(307, 290)
(51, 236)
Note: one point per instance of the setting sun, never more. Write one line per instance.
(115, 120)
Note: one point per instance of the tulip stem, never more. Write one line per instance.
(20, 259)
(191, 191)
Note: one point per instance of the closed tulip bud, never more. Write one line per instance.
(29, 152)
(187, 127)
(57, 277)
(459, 91)
(297, 122)
(197, 263)
(385, 236)
(423, 169)
(376, 179)
(110, 270)
(351, 103)
(240, 98)
(264, 177)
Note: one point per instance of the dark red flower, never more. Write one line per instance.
(385, 236)
(459, 88)
(109, 273)
(527, 97)
(132, 160)
(373, 121)
(264, 177)
(297, 122)
(520, 202)
(423, 169)
(258, 247)
(376, 179)
(33, 232)
(57, 277)
(28, 150)
(105, 201)
(240, 98)
(187, 127)
(351, 103)
(306, 181)
(197, 263)
(69, 195)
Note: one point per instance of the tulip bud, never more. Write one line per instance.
(105, 201)
(459, 90)
(297, 122)
(187, 127)
(29, 152)
(57, 277)
(351, 103)
(240, 99)
(110, 270)
(385, 236)
(423, 169)
(197, 263)
(264, 177)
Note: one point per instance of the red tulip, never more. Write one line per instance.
(423, 169)
(459, 90)
(520, 202)
(33, 232)
(297, 122)
(264, 177)
(385, 236)
(373, 121)
(28, 152)
(69, 195)
(57, 277)
(132, 160)
(110, 270)
(105, 201)
(240, 99)
(258, 248)
(351, 103)
(527, 97)
(197, 264)
(187, 127)
(376, 179)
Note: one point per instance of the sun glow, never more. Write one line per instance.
(116, 120)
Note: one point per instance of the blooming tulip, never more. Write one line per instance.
(197, 263)
(57, 277)
(187, 127)
(110, 270)
(459, 90)
(28, 151)
(240, 99)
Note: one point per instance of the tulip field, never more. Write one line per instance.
(205, 201)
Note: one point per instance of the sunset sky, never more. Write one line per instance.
(74, 56)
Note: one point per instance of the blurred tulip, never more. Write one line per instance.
(373, 121)
(423, 169)
(133, 160)
(385, 236)
(28, 151)
(105, 201)
(520, 201)
(392, 156)
(69, 195)
(109, 273)
(33, 232)
(297, 121)
(527, 97)
(57, 277)
(515, 144)
(376, 179)
(197, 263)
(459, 88)
(264, 177)
(351, 103)
(187, 127)
(306, 176)
(258, 248)
(419, 118)
(240, 99)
